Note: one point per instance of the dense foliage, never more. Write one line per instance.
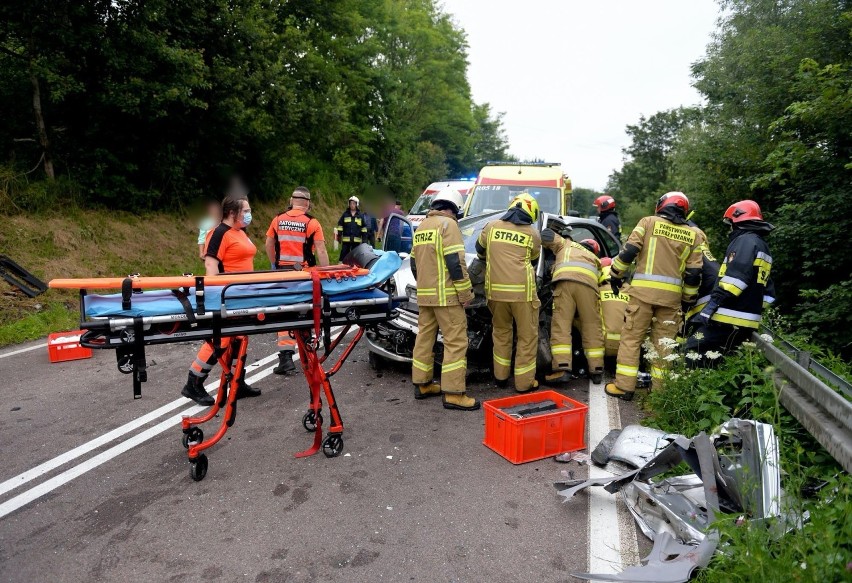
(151, 103)
(776, 128)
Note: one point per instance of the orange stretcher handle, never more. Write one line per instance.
(209, 280)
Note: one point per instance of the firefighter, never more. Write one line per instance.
(509, 246)
(607, 216)
(613, 307)
(292, 240)
(443, 291)
(667, 254)
(351, 228)
(735, 306)
(227, 249)
(576, 272)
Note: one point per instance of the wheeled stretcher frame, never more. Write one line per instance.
(310, 323)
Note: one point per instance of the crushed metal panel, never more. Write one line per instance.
(664, 508)
(637, 445)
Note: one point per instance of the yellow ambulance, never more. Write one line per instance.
(499, 182)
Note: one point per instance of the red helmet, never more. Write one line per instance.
(677, 199)
(592, 246)
(604, 203)
(606, 261)
(745, 210)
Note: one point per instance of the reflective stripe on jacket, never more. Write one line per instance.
(295, 233)
(743, 281)
(510, 251)
(668, 261)
(438, 262)
(351, 228)
(574, 262)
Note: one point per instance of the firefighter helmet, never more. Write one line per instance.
(356, 200)
(604, 203)
(606, 261)
(448, 195)
(745, 210)
(526, 203)
(675, 199)
(592, 246)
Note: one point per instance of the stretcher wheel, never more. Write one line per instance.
(309, 421)
(198, 468)
(192, 435)
(332, 446)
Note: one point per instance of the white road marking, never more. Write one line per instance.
(85, 448)
(22, 350)
(604, 534)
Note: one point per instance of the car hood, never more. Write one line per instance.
(405, 279)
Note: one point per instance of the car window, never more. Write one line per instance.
(421, 207)
(398, 234)
(490, 198)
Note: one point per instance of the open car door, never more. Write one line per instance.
(398, 234)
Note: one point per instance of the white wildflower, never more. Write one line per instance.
(713, 355)
(667, 342)
(803, 566)
(674, 376)
(652, 355)
(671, 357)
(669, 323)
(698, 336)
(693, 355)
(647, 345)
(749, 345)
(767, 338)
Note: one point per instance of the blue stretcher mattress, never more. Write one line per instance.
(256, 295)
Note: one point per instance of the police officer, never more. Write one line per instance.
(292, 239)
(736, 303)
(667, 253)
(613, 307)
(510, 246)
(576, 272)
(443, 289)
(607, 216)
(351, 229)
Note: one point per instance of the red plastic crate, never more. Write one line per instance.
(63, 346)
(538, 437)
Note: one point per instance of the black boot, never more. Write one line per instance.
(596, 376)
(194, 389)
(285, 363)
(245, 390)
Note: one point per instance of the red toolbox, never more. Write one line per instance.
(527, 439)
(62, 346)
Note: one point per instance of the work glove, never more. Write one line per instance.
(615, 283)
(465, 297)
(335, 245)
(703, 318)
(547, 235)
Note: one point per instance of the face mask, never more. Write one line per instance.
(246, 219)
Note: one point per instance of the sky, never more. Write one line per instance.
(571, 74)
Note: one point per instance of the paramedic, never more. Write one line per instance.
(667, 254)
(443, 290)
(228, 249)
(292, 239)
(509, 246)
(576, 272)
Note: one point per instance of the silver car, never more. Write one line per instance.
(394, 340)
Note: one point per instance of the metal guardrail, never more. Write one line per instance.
(822, 410)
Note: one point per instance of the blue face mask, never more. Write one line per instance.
(247, 219)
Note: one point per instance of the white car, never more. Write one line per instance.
(421, 206)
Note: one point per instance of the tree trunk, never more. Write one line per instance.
(42, 129)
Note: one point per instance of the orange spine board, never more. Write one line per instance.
(210, 280)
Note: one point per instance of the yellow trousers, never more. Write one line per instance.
(570, 299)
(663, 322)
(452, 322)
(525, 317)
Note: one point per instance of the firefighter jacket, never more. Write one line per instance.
(574, 262)
(612, 223)
(709, 276)
(509, 250)
(295, 233)
(744, 284)
(668, 261)
(351, 228)
(613, 308)
(438, 262)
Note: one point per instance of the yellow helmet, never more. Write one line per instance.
(527, 203)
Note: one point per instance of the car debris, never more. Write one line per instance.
(580, 457)
(637, 445)
(736, 470)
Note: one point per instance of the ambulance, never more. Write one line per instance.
(499, 182)
(421, 207)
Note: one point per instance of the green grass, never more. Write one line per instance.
(741, 386)
(52, 317)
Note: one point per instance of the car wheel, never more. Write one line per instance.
(377, 363)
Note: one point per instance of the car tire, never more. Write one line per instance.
(377, 363)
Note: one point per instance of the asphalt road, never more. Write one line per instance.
(416, 497)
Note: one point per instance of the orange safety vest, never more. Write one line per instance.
(294, 232)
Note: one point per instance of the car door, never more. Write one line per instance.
(398, 234)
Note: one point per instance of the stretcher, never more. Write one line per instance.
(318, 307)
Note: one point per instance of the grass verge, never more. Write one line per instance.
(741, 386)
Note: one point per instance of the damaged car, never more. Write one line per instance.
(394, 340)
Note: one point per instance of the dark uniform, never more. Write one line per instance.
(612, 223)
(351, 230)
